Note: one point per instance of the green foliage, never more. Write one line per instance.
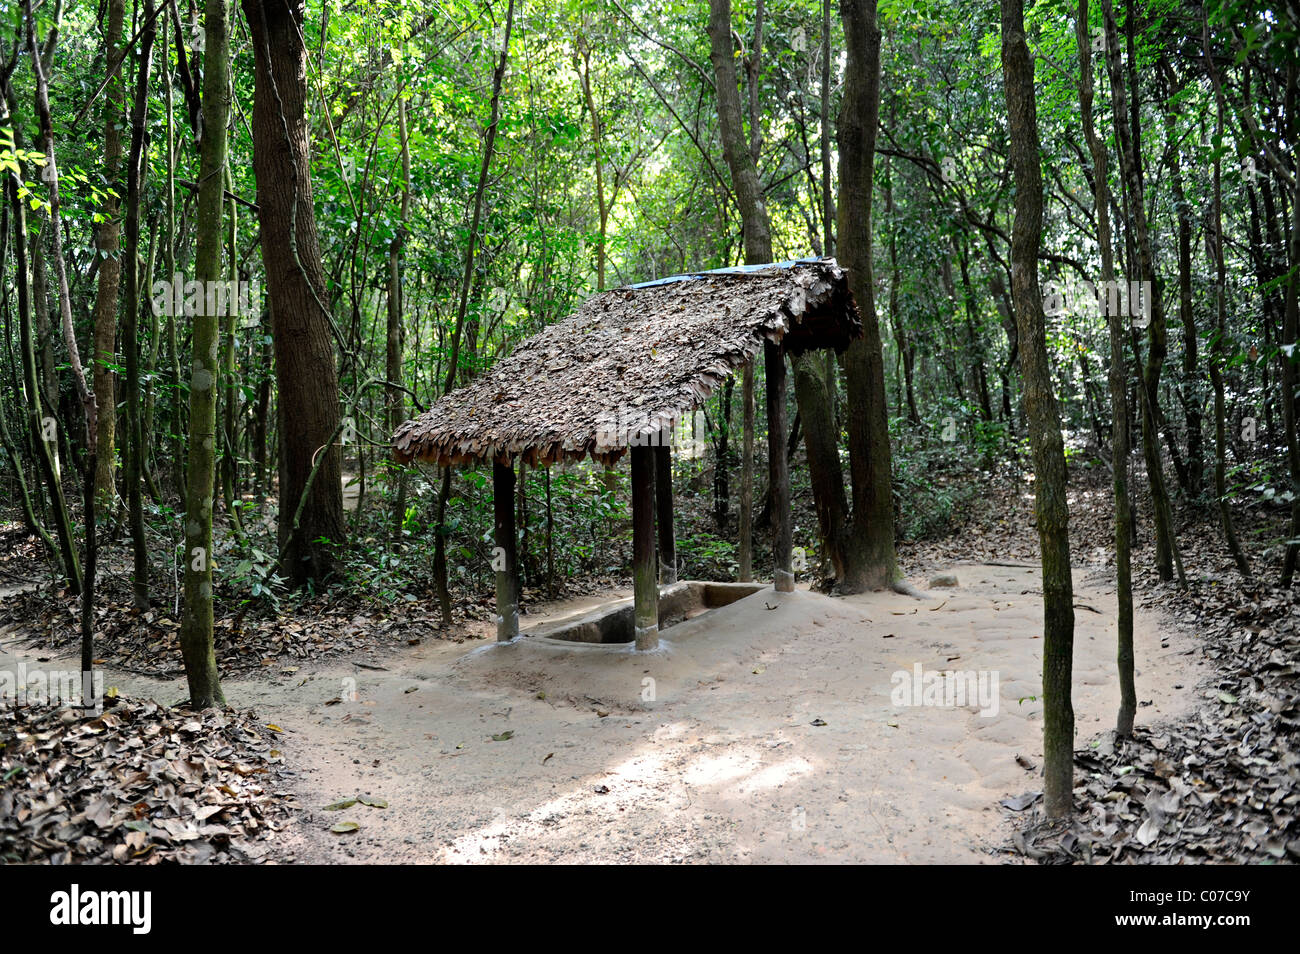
(924, 507)
(706, 556)
(256, 576)
(932, 486)
(941, 210)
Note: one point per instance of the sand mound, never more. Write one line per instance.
(794, 717)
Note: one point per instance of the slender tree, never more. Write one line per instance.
(757, 227)
(196, 636)
(84, 389)
(393, 338)
(133, 475)
(1168, 558)
(462, 306)
(41, 426)
(1118, 381)
(1041, 413)
(1217, 358)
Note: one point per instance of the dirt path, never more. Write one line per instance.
(711, 748)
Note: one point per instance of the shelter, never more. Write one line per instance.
(615, 378)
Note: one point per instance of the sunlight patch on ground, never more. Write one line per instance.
(604, 799)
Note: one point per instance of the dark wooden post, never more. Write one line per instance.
(664, 511)
(778, 467)
(645, 588)
(506, 558)
(746, 568)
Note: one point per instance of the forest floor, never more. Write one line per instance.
(770, 736)
(766, 731)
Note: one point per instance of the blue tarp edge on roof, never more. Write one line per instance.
(734, 270)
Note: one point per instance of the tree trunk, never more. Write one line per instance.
(40, 426)
(906, 352)
(229, 379)
(110, 265)
(811, 381)
(301, 322)
(976, 340)
(1290, 333)
(84, 388)
(828, 194)
(645, 588)
(722, 459)
(664, 513)
(778, 468)
(1216, 376)
(506, 560)
(550, 539)
(582, 64)
(393, 341)
(31, 520)
(178, 426)
(870, 560)
(1041, 414)
(744, 172)
(46, 332)
(1216, 361)
(149, 464)
(462, 306)
(740, 156)
(134, 443)
(1118, 391)
(196, 618)
(746, 556)
(1130, 161)
(1191, 401)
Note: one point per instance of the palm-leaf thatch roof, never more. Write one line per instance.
(630, 362)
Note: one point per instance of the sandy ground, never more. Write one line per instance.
(710, 749)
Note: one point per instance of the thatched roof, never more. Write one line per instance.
(631, 362)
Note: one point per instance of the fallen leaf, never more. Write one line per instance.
(1149, 831)
(1019, 803)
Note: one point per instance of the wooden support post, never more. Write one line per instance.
(664, 512)
(645, 588)
(778, 467)
(506, 559)
(746, 567)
